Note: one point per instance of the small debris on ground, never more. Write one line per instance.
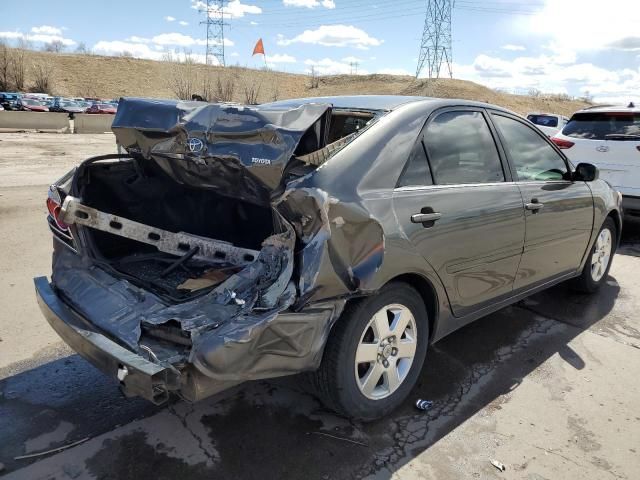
(423, 404)
(499, 465)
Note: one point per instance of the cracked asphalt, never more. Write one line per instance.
(548, 386)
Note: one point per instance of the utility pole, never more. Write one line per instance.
(354, 68)
(435, 48)
(214, 21)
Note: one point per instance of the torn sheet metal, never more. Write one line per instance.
(238, 151)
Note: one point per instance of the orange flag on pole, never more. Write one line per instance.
(259, 48)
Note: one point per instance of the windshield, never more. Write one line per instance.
(28, 101)
(603, 125)
(543, 120)
(70, 104)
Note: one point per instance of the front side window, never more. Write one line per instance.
(461, 149)
(533, 158)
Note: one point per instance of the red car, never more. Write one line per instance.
(102, 108)
(31, 105)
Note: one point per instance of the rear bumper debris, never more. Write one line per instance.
(137, 376)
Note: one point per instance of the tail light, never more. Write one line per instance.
(53, 206)
(562, 144)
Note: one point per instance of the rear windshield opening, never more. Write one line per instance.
(604, 125)
(543, 120)
(330, 128)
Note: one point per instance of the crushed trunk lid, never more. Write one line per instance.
(238, 151)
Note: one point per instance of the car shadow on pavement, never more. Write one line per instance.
(277, 430)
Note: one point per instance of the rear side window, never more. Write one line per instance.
(543, 120)
(417, 171)
(533, 157)
(461, 149)
(604, 126)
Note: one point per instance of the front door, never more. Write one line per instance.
(558, 211)
(458, 208)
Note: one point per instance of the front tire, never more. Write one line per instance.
(374, 354)
(597, 266)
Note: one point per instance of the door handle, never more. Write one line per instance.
(425, 217)
(534, 206)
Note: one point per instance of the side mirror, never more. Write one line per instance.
(585, 172)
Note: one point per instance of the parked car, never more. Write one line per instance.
(341, 235)
(608, 137)
(549, 123)
(9, 100)
(31, 105)
(66, 106)
(1, 108)
(102, 108)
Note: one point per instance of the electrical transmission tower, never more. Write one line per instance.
(215, 31)
(435, 48)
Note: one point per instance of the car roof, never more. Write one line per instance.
(609, 108)
(378, 102)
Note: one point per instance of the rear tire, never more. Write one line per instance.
(596, 268)
(374, 354)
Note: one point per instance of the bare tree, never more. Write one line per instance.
(314, 78)
(225, 89)
(183, 76)
(5, 66)
(55, 46)
(82, 49)
(251, 92)
(18, 68)
(42, 74)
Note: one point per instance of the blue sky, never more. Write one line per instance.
(561, 46)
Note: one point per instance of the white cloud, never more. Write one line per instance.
(178, 39)
(253, 23)
(334, 36)
(328, 66)
(183, 23)
(11, 35)
(47, 30)
(280, 58)
(234, 54)
(38, 37)
(169, 18)
(309, 3)
(233, 9)
(587, 24)
(142, 50)
(352, 59)
(513, 48)
(135, 39)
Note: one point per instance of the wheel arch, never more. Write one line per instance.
(427, 293)
(617, 219)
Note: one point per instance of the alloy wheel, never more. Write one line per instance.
(601, 255)
(386, 351)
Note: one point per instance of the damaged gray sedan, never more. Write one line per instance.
(340, 236)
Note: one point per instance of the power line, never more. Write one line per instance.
(435, 47)
(214, 21)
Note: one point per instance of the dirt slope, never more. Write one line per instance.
(110, 77)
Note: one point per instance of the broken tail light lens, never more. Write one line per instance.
(562, 144)
(54, 210)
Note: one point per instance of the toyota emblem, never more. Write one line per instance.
(195, 145)
(602, 148)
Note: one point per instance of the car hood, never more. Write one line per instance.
(239, 151)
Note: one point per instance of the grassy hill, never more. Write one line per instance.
(111, 77)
